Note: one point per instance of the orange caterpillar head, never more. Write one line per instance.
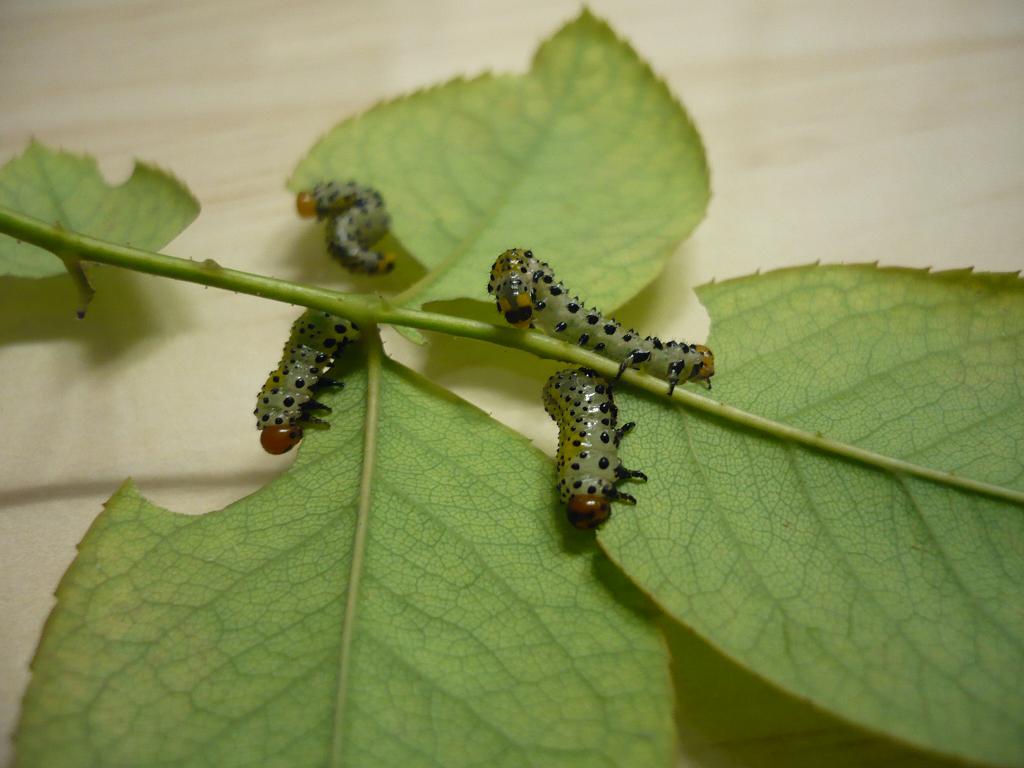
(305, 204)
(280, 438)
(511, 293)
(707, 369)
(587, 511)
(324, 199)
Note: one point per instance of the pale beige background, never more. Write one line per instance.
(835, 131)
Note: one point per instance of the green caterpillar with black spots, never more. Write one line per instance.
(528, 295)
(580, 401)
(356, 220)
(285, 405)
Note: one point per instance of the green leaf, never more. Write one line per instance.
(147, 211)
(411, 605)
(588, 159)
(889, 600)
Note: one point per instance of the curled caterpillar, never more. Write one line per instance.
(356, 221)
(528, 295)
(283, 405)
(580, 402)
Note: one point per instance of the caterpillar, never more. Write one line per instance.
(356, 221)
(580, 402)
(284, 405)
(528, 295)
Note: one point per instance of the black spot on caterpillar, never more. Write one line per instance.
(283, 405)
(528, 295)
(356, 220)
(580, 402)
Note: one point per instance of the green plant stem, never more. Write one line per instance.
(369, 310)
(61, 242)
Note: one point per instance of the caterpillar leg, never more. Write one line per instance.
(624, 430)
(633, 359)
(325, 381)
(701, 373)
(315, 405)
(624, 497)
(628, 474)
(675, 371)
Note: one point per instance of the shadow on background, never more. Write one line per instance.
(128, 307)
(121, 314)
(47, 492)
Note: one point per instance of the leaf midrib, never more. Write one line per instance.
(370, 424)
